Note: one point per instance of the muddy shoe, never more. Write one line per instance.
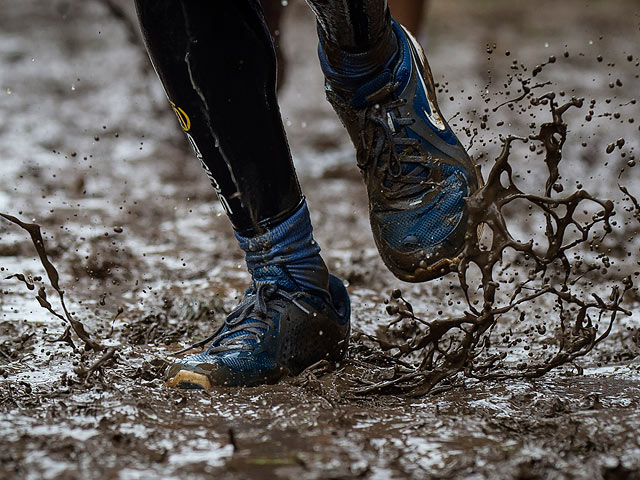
(416, 171)
(278, 329)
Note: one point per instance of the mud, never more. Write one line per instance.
(143, 254)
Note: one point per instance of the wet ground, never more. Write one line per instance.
(148, 262)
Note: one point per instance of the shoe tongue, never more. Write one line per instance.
(311, 277)
(269, 274)
(393, 78)
(274, 274)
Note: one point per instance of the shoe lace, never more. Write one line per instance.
(391, 150)
(250, 320)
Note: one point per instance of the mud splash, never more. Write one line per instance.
(54, 277)
(507, 313)
(506, 320)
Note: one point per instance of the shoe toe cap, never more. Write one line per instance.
(233, 368)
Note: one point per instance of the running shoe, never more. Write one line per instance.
(277, 329)
(416, 171)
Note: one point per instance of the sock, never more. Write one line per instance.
(288, 249)
(348, 71)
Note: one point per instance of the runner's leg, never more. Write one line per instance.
(356, 37)
(217, 63)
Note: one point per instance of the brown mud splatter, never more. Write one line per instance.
(447, 346)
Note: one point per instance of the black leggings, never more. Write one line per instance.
(217, 64)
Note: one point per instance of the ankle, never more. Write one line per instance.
(287, 248)
(347, 71)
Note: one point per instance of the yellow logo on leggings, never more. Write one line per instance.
(183, 118)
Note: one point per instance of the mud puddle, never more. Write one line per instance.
(132, 226)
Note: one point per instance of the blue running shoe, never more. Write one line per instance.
(416, 171)
(278, 329)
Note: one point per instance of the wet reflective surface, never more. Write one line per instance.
(148, 264)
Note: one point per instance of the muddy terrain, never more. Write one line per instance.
(148, 263)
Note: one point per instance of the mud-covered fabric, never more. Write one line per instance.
(416, 171)
(356, 39)
(290, 246)
(433, 222)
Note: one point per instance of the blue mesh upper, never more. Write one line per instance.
(429, 225)
(407, 153)
(247, 360)
(255, 364)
